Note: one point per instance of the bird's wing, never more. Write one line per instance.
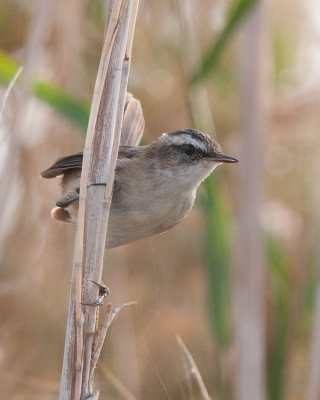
(133, 122)
(131, 133)
(68, 163)
(63, 164)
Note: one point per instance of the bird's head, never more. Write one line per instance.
(189, 154)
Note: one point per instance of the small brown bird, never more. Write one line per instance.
(155, 185)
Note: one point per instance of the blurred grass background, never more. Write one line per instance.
(187, 72)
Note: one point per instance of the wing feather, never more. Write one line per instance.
(131, 133)
(63, 164)
(133, 122)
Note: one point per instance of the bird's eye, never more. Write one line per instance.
(189, 149)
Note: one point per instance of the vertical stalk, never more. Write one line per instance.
(99, 162)
(249, 264)
(313, 392)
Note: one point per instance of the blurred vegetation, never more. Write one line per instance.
(217, 257)
(68, 106)
(280, 284)
(238, 12)
(173, 292)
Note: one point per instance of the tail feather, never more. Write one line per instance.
(61, 214)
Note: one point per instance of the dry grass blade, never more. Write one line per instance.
(8, 91)
(121, 388)
(111, 314)
(193, 369)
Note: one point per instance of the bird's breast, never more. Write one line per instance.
(142, 211)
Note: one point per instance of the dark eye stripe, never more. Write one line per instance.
(189, 149)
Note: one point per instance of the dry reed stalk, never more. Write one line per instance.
(102, 171)
(110, 316)
(99, 161)
(313, 392)
(249, 268)
(194, 371)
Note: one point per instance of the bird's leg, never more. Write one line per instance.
(67, 199)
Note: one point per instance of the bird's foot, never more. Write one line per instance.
(103, 292)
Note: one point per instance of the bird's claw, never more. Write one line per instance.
(98, 302)
(103, 289)
(103, 292)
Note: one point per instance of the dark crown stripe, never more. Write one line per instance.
(193, 134)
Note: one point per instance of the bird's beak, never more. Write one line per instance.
(219, 157)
